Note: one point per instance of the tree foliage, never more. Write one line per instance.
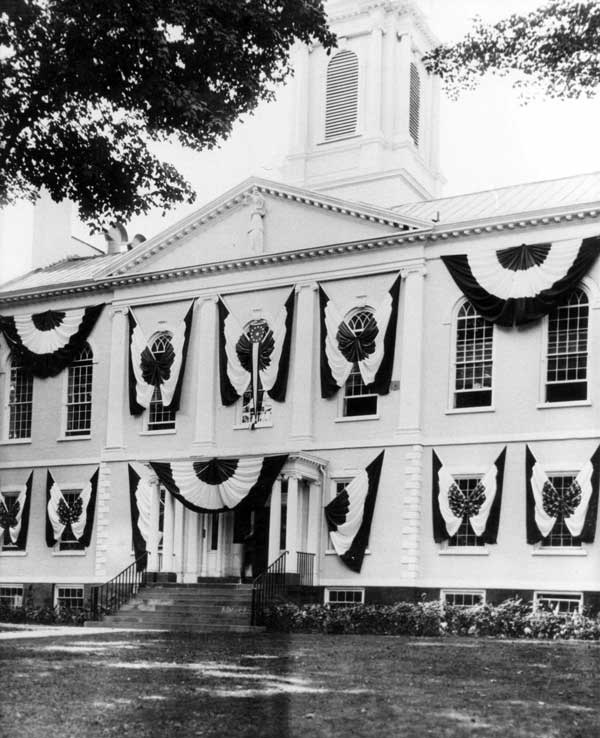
(87, 86)
(554, 49)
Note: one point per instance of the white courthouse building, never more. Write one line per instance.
(264, 351)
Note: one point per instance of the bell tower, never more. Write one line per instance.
(365, 118)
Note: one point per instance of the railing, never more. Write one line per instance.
(267, 587)
(306, 568)
(107, 598)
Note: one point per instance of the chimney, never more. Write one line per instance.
(116, 239)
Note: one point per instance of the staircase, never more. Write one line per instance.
(211, 606)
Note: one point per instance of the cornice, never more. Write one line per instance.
(423, 237)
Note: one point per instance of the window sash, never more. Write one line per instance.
(20, 403)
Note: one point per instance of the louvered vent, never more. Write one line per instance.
(341, 107)
(415, 104)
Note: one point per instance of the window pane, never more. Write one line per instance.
(160, 418)
(473, 368)
(567, 361)
(358, 397)
(20, 402)
(79, 394)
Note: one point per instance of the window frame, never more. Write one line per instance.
(11, 585)
(13, 491)
(342, 415)
(64, 434)
(542, 547)
(146, 416)
(8, 405)
(324, 139)
(328, 591)
(57, 598)
(458, 478)
(416, 140)
(463, 591)
(548, 595)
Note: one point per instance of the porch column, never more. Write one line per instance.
(117, 378)
(304, 361)
(274, 522)
(204, 533)
(168, 562)
(206, 372)
(315, 506)
(153, 533)
(190, 570)
(178, 539)
(409, 351)
(291, 523)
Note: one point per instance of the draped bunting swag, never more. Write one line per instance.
(14, 516)
(578, 504)
(350, 514)
(260, 353)
(79, 516)
(146, 372)
(140, 501)
(47, 342)
(523, 283)
(217, 485)
(373, 349)
(482, 506)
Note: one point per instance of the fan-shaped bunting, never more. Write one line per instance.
(480, 505)
(577, 505)
(372, 349)
(78, 516)
(350, 514)
(520, 284)
(14, 517)
(47, 342)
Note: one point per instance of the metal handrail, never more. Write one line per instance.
(267, 587)
(107, 598)
(306, 568)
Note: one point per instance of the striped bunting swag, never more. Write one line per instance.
(140, 503)
(48, 342)
(523, 283)
(481, 506)
(578, 505)
(14, 517)
(349, 515)
(216, 485)
(372, 349)
(78, 516)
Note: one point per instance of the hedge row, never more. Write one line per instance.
(513, 618)
(44, 615)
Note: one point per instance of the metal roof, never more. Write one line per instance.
(515, 200)
(70, 270)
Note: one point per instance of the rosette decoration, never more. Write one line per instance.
(372, 349)
(148, 371)
(140, 502)
(77, 517)
(218, 485)
(255, 358)
(14, 517)
(577, 505)
(481, 505)
(520, 284)
(47, 342)
(350, 514)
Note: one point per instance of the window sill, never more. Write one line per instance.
(354, 418)
(463, 410)
(247, 426)
(465, 551)
(343, 137)
(61, 439)
(573, 403)
(575, 551)
(9, 553)
(168, 432)
(15, 442)
(69, 553)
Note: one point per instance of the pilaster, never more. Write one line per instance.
(304, 363)
(118, 374)
(103, 532)
(206, 388)
(411, 512)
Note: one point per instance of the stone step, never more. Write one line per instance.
(225, 610)
(181, 627)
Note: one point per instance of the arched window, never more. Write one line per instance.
(414, 114)
(567, 354)
(358, 397)
(79, 394)
(473, 359)
(158, 417)
(20, 400)
(341, 103)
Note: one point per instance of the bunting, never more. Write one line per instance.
(372, 349)
(217, 485)
(255, 358)
(523, 283)
(578, 505)
(78, 517)
(140, 502)
(14, 517)
(147, 371)
(350, 514)
(47, 342)
(481, 505)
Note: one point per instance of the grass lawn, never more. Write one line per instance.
(176, 686)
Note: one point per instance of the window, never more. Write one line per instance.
(358, 398)
(344, 597)
(20, 401)
(79, 394)
(567, 359)
(473, 368)
(463, 597)
(10, 501)
(68, 542)
(11, 595)
(341, 103)
(266, 406)
(159, 418)
(465, 535)
(414, 113)
(68, 597)
(560, 535)
(561, 603)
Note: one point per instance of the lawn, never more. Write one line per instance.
(176, 686)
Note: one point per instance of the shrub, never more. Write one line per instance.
(43, 615)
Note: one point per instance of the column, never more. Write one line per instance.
(205, 522)
(315, 505)
(410, 351)
(190, 567)
(168, 533)
(178, 539)
(207, 386)
(291, 523)
(305, 351)
(274, 522)
(116, 400)
(153, 537)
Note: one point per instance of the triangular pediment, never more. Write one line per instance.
(257, 219)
